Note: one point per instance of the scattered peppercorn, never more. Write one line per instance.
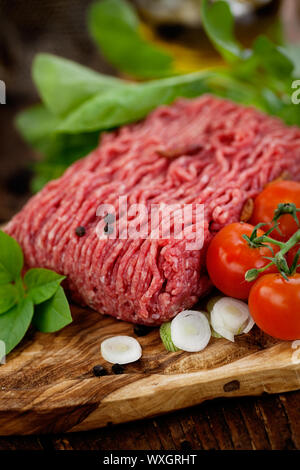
(142, 330)
(117, 369)
(99, 370)
(80, 231)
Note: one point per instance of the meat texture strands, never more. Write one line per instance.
(204, 151)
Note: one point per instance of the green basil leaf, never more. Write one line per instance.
(53, 314)
(38, 127)
(64, 85)
(11, 258)
(115, 28)
(5, 275)
(218, 23)
(290, 114)
(15, 323)
(36, 123)
(60, 151)
(292, 51)
(8, 297)
(128, 105)
(41, 284)
(224, 83)
(272, 58)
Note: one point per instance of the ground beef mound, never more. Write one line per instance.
(206, 150)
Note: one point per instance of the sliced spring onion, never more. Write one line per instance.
(190, 331)
(210, 305)
(212, 301)
(230, 317)
(165, 334)
(213, 332)
(121, 349)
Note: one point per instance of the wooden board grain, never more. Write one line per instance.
(47, 384)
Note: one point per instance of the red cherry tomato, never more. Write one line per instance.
(267, 202)
(229, 256)
(274, 304)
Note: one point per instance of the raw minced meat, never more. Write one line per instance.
(204, 151)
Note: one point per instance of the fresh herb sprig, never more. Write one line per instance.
(37, 297)
(115, 28)
(277, 259)
(79, 103)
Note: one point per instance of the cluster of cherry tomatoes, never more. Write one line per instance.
(274, 299)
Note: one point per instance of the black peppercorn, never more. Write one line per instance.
(80, 231)
(117, 369)
(142, 330)
(99, 370)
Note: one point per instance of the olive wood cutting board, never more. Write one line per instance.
(47, 384)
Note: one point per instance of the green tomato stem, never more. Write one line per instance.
(252, 274)
(291, 242)
(265, 238)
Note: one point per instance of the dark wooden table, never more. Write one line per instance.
(265, 422)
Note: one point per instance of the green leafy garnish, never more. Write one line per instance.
(165, 334)
(38, 295)
(8, 297)
(218, 23)
(64, 138)
(64, 85)
(79, 103)
(130, 103)
(53, 314)
(37, 124)
(292, 51)
(273, 59)
(41, 284)
(115, 27)
(11, 259)
(15, 323)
